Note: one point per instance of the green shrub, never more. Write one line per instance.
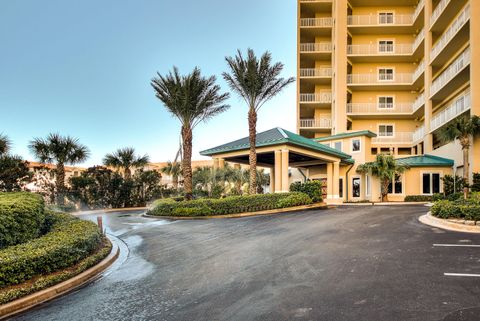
(418, 198)
(453, 184)
(455, 196)
(192, 211)
(21, 218)
(69, 241)
(294, 200)
(311, 188)
(476, 182)
(438, 197)
(460, 208)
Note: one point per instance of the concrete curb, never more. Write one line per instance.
(37, 298)
(430, 220)
(248, 214)
(109, 210)
(384, 204)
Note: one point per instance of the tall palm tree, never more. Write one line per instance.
(386, 168)
(256, 81)
(462, 128)
(192, 99)
(174, 170)
(5, 144)
(60, 150)
(125, 159)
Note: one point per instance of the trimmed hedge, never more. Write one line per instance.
(464, 209)
(69, 241)
(418, 198)
(311, 188)
(22, 218)
(228, 205)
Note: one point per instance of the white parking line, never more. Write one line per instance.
(462, 274)
(456, 245)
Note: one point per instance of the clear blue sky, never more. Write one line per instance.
(83, 68)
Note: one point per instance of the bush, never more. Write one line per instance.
(455, 196)
(21, 218)
(476, 182)
(69, 241)
(438, 197)
(311, 188)
(418, 198)
(460, 208)
(228, 205)
(453, 184)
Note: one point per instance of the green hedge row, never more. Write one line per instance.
(311, 188)
(22, 218)
(418, 198)
(464, 209)
(228, 205)
(69, 241)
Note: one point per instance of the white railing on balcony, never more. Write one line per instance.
(419, 134)
(316, 22)
(418, 9)
(375, 79)
(322, 122)
(376, 20)
(454, 69)
(316, 47)
(316, 72)
(385, 108)
(460, 105)
(393, 138)
(418, 39)
(445, 38)
(380, 49)
(438, 11)
(326, 1)
(419, 70)
(419, 102)
(322, 98)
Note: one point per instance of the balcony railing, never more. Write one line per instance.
(375, 79)
(459, 22)
(418, 9)
(419, 134)
(460, 105)
(393, 138)
(316, 22)
(376, 20)
(418, 39)
(325, 1)
(419, 70)
(454, 69)
(316, 72)
(368, 49)
(438, 11)
(419, 102)
(372, 108)
(316, 47)
(322, 98)
(322, 122)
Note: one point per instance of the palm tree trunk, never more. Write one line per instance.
(187, 161)
(252, 128)
(60, 184)
(385, 190)
(128, 173)
(465, 142)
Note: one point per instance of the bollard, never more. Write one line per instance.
(100, 223)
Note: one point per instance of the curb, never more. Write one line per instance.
(430, 220)
(321, 206)
(37, 298)
(384, 204)
(109, 210)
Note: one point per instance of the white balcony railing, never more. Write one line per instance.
(368, 49)
(320, 1)
(454, 69)
(419, 102)
(419, 134)
(419, 70)
(372, 108)
(438, 11)
(445, 38)
(316, 47)
(418, 39)
(376, 20)
(460, 105)
(316, 72)
(322, 122)
(376, 79)
(418, 9)
(322, 98)
(393, 138)
(316, 22)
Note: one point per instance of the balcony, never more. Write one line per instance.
(460, 105)
(321, 123)
(316, 26)
(419, 102)
(396, 138)
(418, 10)
(440, 53)
(447, 10)
(357, 110)
(418, 135)
(322, 98)
(316, 75)
(376, 24)
(316, 51)
(373, 81)
(456, 75)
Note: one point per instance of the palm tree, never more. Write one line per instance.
(192, 99)
(174, 170)
(61, 150)
(386, 168)
(4, 144)
(256, 81)
(125, 159)
(463, 129)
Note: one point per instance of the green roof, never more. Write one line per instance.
(425, 161)
(346, 135)
(276, 136)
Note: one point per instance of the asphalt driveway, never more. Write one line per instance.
(349, 263)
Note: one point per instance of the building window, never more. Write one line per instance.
(385, 102)
(338, 146)
(385, 74)
(385, 46)
(431, 183)
(356, 145)
(369, 185)
(396, 187)
(385, 18)
(340, 188)
(385, 130)
(356, 187)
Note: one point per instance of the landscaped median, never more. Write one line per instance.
(229, 205)
(40, 248)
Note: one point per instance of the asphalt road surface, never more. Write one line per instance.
(348, 263)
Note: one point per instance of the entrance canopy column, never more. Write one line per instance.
(285, 164)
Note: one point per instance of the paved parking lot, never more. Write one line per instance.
(348, 263)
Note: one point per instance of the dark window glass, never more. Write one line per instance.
(426, 183)
(398, 184)
(356, 187)
(436, 183)
(340, 187)
(390, 188)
